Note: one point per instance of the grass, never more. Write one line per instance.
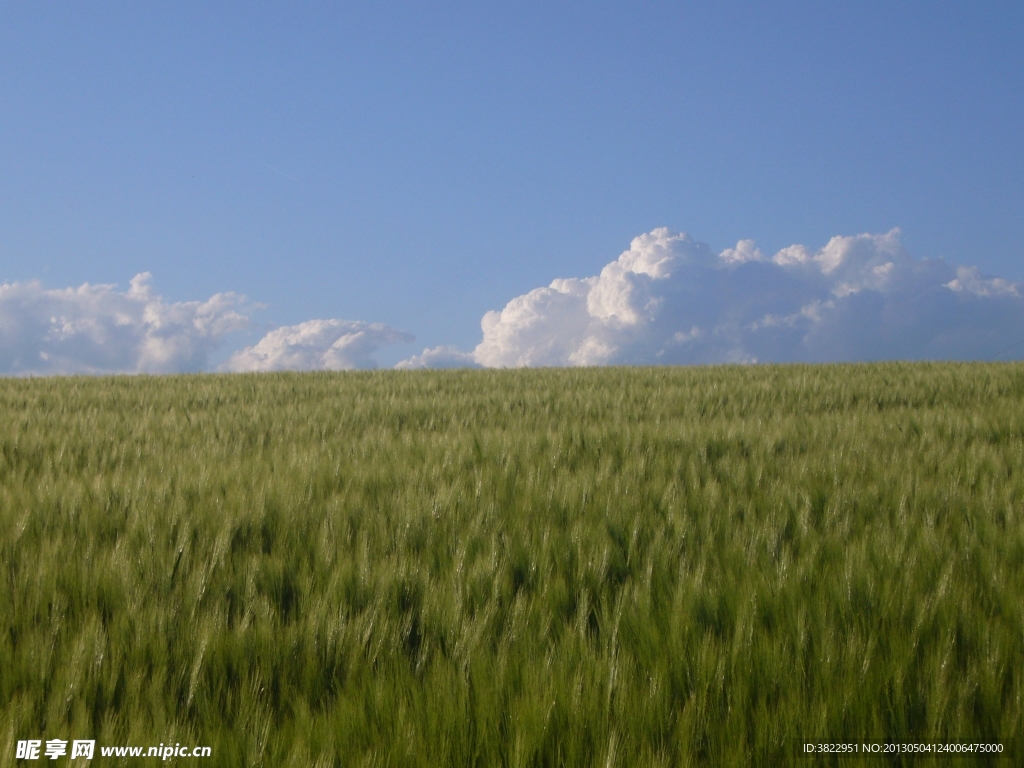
(652, 567)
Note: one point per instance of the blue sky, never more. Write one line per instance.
(419, 165)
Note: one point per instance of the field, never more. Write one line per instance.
(618, 567)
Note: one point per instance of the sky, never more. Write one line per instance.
(263, 186)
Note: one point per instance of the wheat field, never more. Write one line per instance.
(592, 567)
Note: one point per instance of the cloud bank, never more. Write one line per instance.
(670, 299)
(667, 300)
(333, 345)
(98, 329)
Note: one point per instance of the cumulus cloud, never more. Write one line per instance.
(333, 345)
(98, 329)
(670, 299)
(439, 357)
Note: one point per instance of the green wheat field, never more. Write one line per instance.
(595, 567)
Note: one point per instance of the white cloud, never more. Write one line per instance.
(98, 329)
(317, 345)
(670, 299)
(745, 250)
(439, 357)
(970, 280)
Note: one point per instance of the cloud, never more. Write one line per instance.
(317, 345)
(98, 329)
(439, 357)
(670, 299)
